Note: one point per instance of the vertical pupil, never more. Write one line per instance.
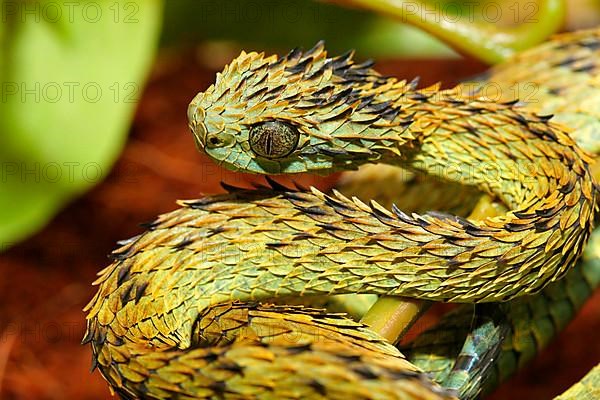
(268, 141)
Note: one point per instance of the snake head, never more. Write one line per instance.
(303, 112)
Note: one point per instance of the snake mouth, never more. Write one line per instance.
(254, 166)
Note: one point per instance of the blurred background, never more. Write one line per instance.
(94, 141)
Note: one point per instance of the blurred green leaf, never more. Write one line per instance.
(71, 75)
(285, 24)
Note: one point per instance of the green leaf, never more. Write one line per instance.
(284, 24)
(71, 75)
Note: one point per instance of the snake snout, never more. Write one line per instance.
(196, 116)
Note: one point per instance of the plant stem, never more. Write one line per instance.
(487, 41)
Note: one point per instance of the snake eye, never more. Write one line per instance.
(273, 139)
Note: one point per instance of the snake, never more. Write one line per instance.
(195, 306)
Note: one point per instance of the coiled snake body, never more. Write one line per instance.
(184, 310)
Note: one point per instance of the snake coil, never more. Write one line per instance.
(184, 310)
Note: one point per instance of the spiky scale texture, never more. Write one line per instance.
(256, 245)
(556, 85)
(266, 352)
(534, 322)
(559, 77)
(348, 114)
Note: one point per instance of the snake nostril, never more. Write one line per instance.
(217, 140)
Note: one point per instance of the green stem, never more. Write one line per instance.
(391, 317)
(487, 41)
